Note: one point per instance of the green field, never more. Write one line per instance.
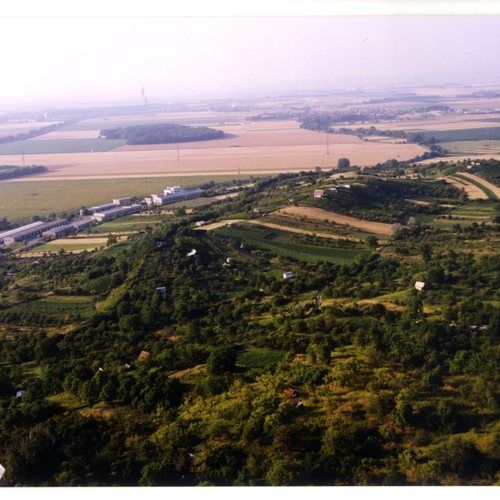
(291, 245)
(466, 134)
(70, 305)
(68, 247)
(19, 201)
(259, 357)
(59, 146)
(129, 223)
(472, 147)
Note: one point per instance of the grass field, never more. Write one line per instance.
(129, 223)
(259, 357)
(472, 147)
(47, 146)
(291, 245)
(464, 134)
(19, 201)
(79, 245)
(57, 305)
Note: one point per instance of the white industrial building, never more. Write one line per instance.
(115, 212)
(72, 227)
(29, 233)
(12, 232)
(172, 194)
(124, 200)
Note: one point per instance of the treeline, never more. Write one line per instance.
(162, 133)
(32, 133)
(11, 171)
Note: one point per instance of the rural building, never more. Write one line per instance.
(287, 275)
(2, 471)
(115, 212)
(143, 355)
(161, 289)
(419, 285)
(192, 253)
(32, 232)
(345, 186)
(100, 208)
(12, 232)
(200, 223)
(124, 200)
(319, 193)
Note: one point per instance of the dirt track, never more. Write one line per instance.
(473, 192)
(494, 189)
(343, 220)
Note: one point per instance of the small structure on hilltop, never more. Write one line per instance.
(419, 285)
(287, 275)
(192, 253)
(319, 193)
(143, 356)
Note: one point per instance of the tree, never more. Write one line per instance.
(112, 240)
(343, 163)
(221, 360)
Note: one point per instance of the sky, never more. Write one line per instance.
(65, 61)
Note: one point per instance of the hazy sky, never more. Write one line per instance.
(109, 59)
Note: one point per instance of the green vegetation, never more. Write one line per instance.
(44, 146)
(161, 133)
(472, 147)
(148, 364)
(10, 172)
(301, 247)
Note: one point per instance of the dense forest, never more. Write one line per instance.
(163, 133)
(10, 171)
(174, 368)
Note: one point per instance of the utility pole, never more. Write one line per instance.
(177, 148)
(22, 156)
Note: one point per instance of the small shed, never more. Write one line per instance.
(20, 394)
(200, 223)
(419, 285)
(161, 289)
(192, 253)
(287, 275)
(143, 356)
(319, 193)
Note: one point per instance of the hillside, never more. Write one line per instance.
(148, 364)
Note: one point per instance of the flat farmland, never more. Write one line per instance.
(19, 201)
(41, 148)
(473, 147)
(272, 148)
(14, 128)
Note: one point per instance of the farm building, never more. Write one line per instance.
(161, 289)
(287, 275)
(143, 355)
(319, 193)
(419, 285)
(124, 200)
(100, 208)
(115, 212)
(32, 232)
(12, 232)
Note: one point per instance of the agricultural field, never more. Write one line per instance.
(60, 146)
(57, 305)
(320, 214)
(130, 223)
(19, 201)
(286, 244)
(472, 147)
(71, 245)
(251, 147)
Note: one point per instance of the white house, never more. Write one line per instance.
(419, 285)
(319, 193)
(287, 275)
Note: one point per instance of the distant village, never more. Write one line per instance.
(43, 231)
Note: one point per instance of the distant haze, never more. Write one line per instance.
(103, 60)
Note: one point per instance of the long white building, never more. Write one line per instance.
(12, 232)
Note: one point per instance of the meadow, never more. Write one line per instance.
(19, 201)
